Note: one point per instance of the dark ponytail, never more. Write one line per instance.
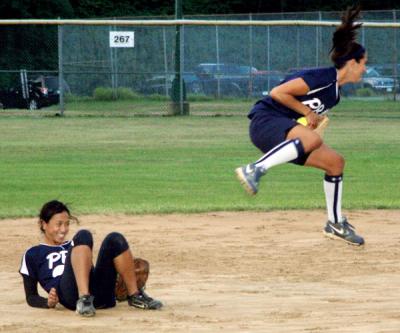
(344, 46)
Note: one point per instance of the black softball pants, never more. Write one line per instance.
(102, 276)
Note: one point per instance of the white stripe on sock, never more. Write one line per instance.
(283, 153)
(333, 197)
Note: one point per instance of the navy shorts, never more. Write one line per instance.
(269, 128)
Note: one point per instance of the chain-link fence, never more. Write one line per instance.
(216, 62)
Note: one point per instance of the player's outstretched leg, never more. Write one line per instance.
(250, 175)
(343, 230)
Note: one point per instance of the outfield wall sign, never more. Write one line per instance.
(122, 39)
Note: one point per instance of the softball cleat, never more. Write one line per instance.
(85, 307)
(249, 176)
(343, 230)
(144, 301)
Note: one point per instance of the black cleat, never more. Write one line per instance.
(144, 301)
(343, 230)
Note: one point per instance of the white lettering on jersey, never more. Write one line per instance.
(55, 256)
(315, 105)
(58, 270)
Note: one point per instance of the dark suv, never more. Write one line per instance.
(42, 91)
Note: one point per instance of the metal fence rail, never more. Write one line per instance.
(221, 56)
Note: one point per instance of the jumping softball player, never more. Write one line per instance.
(310, 94)
(65, 271)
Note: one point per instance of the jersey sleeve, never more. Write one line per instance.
(28, 265)
(31, 293)
(317, 78)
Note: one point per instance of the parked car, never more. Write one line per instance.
(388, 69)
(162, 84)
(42, 91)
(218, 80)
(50, 85)
(13, 98)
(371, 79)
(236, 80)
(374, 80)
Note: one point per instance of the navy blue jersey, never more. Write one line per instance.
(323, 94)
(45, 263)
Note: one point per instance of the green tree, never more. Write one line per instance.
(30, 47)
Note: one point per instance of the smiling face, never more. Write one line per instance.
(56, 229)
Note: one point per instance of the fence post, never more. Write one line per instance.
(179, 106)
(218, 61)
(394, 57)
(268, 57)
(250, 89)
(165, 63)
(112, 66)
(317, 40)
(60, 69)
(297, 47)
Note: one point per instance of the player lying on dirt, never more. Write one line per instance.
(65, 270)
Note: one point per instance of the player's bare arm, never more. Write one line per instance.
(285, 95)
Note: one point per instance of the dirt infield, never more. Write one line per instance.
(231, 272)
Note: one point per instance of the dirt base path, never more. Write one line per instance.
(231, 272)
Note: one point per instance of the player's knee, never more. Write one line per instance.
(340, 163)
(83, 237)
(337, 164)
(116, 242)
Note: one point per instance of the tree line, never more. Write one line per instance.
(122, 8)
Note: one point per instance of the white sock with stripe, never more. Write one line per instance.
(285, 152)
(333, 186)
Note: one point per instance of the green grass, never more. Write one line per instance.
(125, 164)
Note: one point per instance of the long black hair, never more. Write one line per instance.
(344, 46)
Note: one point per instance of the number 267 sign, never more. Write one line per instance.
(122, 39)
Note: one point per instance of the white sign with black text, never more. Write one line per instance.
(122, 39)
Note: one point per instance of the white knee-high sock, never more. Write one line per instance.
(333, 186)
(284, 152)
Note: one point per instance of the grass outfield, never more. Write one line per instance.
(184, 164)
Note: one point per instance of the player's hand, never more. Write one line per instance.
(312, 120)
(52, 300)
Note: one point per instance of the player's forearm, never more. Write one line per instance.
(31, 293)
(291, 102)
(36, 301)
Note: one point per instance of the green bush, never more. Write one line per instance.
(365, 92)
(199, 98)
(121, 93)
(70, 98)
(157, 97)
(103, 94)
(127, 93)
